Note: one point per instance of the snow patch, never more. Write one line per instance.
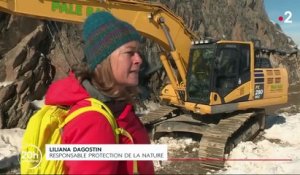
(6, 83)
(38, 103)
(287, 132)
(10, 146)
(150, 106)
(175, 144)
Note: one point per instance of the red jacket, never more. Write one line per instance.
(93, 128)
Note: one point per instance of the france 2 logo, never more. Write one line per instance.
(287, 17)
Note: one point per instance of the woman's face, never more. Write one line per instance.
(125, 63)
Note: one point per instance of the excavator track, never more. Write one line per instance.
(220, 139)
(217, 140)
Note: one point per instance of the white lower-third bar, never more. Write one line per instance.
(106, 152)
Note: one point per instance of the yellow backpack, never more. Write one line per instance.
(45, 127)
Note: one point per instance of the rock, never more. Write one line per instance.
(7, 92)
(29, 71)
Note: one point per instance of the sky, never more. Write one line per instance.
(289, 10)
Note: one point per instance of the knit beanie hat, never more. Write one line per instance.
(102, 34)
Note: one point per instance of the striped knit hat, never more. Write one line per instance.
(102, 34)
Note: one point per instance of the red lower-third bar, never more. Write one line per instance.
(223, 159)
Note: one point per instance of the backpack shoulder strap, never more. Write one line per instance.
(100, 107)
(97, 106)
(121, 131)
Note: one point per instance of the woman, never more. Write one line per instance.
(110, 75)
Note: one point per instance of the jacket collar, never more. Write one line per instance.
(93, 92)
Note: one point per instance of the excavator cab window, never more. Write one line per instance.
(232, 67)
(199, 73)
(226, 66)
(217, 68)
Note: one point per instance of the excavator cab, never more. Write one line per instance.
(219, 68)
(200, 73)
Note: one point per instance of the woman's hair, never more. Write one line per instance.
(102, 79)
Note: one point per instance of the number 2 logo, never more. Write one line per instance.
(288, 15)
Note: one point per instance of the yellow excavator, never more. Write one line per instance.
(217, 88)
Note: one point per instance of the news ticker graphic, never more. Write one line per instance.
(107, 152)
(32, 155)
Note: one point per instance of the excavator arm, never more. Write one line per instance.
(152, 20)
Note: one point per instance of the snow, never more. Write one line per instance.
(150, 105)
(175, 144)
(277, 151)
(6, 83)
(287, 132)
(266, 157)
(38, 103)
(10, 146)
